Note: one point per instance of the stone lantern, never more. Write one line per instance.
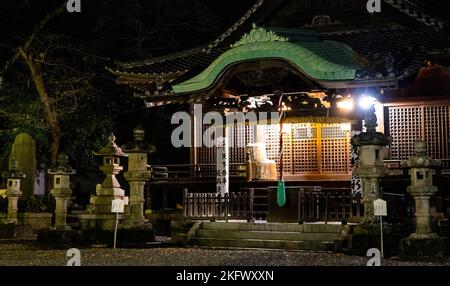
(137, 175)
(110, 188)
(421, 189)
(423, 242)
(371, 169)
(13, 191)
(61, 190)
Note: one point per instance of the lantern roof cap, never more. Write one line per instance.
(62, 167)
(111, 148)
(138, 145)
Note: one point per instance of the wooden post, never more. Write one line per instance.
(252, 199)
(185, 202)
(227, 197)
(301, 215)
(326, 206)
(248, 168)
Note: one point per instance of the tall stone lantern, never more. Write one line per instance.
(371, 169)
(13, 191)
(137, 175)
(423, 242)
(110, 188)
(421, 189)
(61, 190)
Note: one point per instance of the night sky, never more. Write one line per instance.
(111, 28)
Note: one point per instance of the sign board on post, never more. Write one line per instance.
(117, 206)
(380, 209)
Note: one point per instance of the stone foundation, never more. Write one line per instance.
(366, 236)
(104, 222)
(423, 249)
(16, 232)
(60, 239)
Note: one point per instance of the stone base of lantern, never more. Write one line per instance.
(140, 238)
(366, 236)
(60, 238)
(414, 248)
(136, 224)
(12, 231)
(104, 222)
(136, 237)
(102, 201)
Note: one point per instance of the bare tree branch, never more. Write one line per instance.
(36, 30)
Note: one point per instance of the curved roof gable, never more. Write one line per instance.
(318, 60)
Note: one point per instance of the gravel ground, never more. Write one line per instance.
(28, 254)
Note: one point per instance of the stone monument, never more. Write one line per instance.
(24, 151)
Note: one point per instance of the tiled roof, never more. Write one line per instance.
(406, 49)
(412, 8)
(395, 53)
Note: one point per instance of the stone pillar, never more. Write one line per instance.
(423, 242)
(371, 168)
(61, 190)
(137, 175)
(13, 191)
(111, 188)
(421, 189)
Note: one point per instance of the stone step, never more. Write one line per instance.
(267, 235)
(283, 227)
(267, 244)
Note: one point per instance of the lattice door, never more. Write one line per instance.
(241, 136)
(406, 127)
(437, 130)
(206, 155)
(304, 148)
(410, 123)
(310, 149)
(335, 150)
(273, 147)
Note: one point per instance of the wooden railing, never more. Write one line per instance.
(323, 205)
(329, 205)
(173, 172)
(216, 206)
(177, 171)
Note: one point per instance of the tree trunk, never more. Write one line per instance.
(51, 117)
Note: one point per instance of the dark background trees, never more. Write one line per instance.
(53, 82)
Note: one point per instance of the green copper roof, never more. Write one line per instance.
(321, 60)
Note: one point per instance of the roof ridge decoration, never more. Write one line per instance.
(413, 11)
(259, 34)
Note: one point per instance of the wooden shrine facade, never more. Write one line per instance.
(330, 53)
(310, 150)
